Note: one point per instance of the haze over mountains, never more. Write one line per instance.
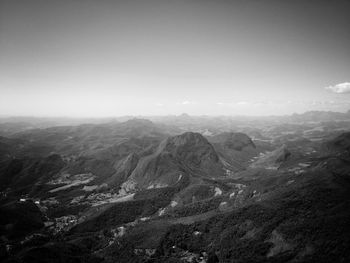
(176, 189)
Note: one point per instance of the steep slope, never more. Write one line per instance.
(272, 160)
(236, 149)
(123, 170)
(185, 154)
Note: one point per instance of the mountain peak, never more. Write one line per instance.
(190, 147)
(191, 138)
(188, 152)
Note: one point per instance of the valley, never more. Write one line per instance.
(177, 189)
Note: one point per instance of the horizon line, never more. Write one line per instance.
(135, 116)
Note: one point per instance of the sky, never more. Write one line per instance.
(102, 58)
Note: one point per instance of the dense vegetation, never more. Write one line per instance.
(121, 213)
(19, 219)
(312, 225)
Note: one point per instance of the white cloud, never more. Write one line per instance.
(159, 104)
(340, 88)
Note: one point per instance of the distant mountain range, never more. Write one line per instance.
(10, 125)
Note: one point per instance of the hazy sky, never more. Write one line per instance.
(108, 58)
